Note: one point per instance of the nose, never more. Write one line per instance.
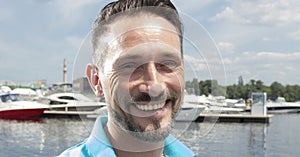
(151, 73)
(152, 81)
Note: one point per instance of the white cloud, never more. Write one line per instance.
(229, 14)
(195, 63)
(192, 59)
(267, 12)
(266, 66)
(275, 55)
(226, 47)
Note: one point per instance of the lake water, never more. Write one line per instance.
(48, 137)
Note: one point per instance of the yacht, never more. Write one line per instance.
(68, 101)
(281, 106)
(11, 106)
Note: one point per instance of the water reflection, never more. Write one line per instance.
(226, 139)
(40, 138)
(50, 137)
(257, 139)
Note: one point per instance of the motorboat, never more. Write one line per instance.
(281, 106)
(68, 101)
(25, 93)
(189, 112)
(216, 105)
(11, 106)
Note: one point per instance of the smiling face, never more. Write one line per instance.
(143, 77)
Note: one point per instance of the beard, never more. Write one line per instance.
(136, 130)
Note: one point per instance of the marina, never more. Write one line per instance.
(209, 125)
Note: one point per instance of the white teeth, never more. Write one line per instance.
(150, 107)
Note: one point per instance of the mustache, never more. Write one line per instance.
(146, 97)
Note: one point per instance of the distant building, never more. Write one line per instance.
(61, 87)
(42, 83)
(81, 85)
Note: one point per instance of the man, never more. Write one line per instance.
(138, 67)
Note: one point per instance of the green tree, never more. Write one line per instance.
(240, 82)
(277, 89)
(259, 85)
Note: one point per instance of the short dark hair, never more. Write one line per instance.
(161, 8)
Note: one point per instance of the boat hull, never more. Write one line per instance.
(21, 113)
(189, 114)
(284, 109)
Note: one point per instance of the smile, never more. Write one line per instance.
(152, 106)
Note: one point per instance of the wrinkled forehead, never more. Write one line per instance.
(152, 35)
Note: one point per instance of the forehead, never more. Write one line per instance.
(147, 35)
(129, 32)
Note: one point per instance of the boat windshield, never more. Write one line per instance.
(15, 97)
(9, 98)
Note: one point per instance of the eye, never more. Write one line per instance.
(127, 67)
(167, 66)
(169, 63)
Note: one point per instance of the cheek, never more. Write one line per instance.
(110, 86)
(176, 80)
(118, 93)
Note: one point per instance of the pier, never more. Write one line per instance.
(67, 114)
(238, 118)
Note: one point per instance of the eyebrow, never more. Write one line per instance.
(129, 57)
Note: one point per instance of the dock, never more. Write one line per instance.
(238, 118)
(67, 114)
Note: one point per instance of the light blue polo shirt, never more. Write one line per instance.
(98, 145)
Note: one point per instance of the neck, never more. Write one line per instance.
(126, 145)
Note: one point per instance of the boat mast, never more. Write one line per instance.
(65, 75)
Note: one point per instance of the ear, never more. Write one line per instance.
(93, 78)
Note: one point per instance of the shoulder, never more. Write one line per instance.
(84, 149)
(78, 150)
(96, 144)
(174, 148)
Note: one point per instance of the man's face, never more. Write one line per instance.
(143, 77)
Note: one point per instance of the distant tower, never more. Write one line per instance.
(65, 75)
(65, 71)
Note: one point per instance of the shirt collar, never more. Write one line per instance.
(98, 143)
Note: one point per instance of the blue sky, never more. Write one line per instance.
(257, 39)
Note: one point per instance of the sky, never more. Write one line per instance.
(256, 39)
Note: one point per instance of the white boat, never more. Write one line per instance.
(188, 112)
(72, 102)
(11, 106)
(216, 105)
(25, 93)
(281, 106)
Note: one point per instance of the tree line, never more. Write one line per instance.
(291, 93)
